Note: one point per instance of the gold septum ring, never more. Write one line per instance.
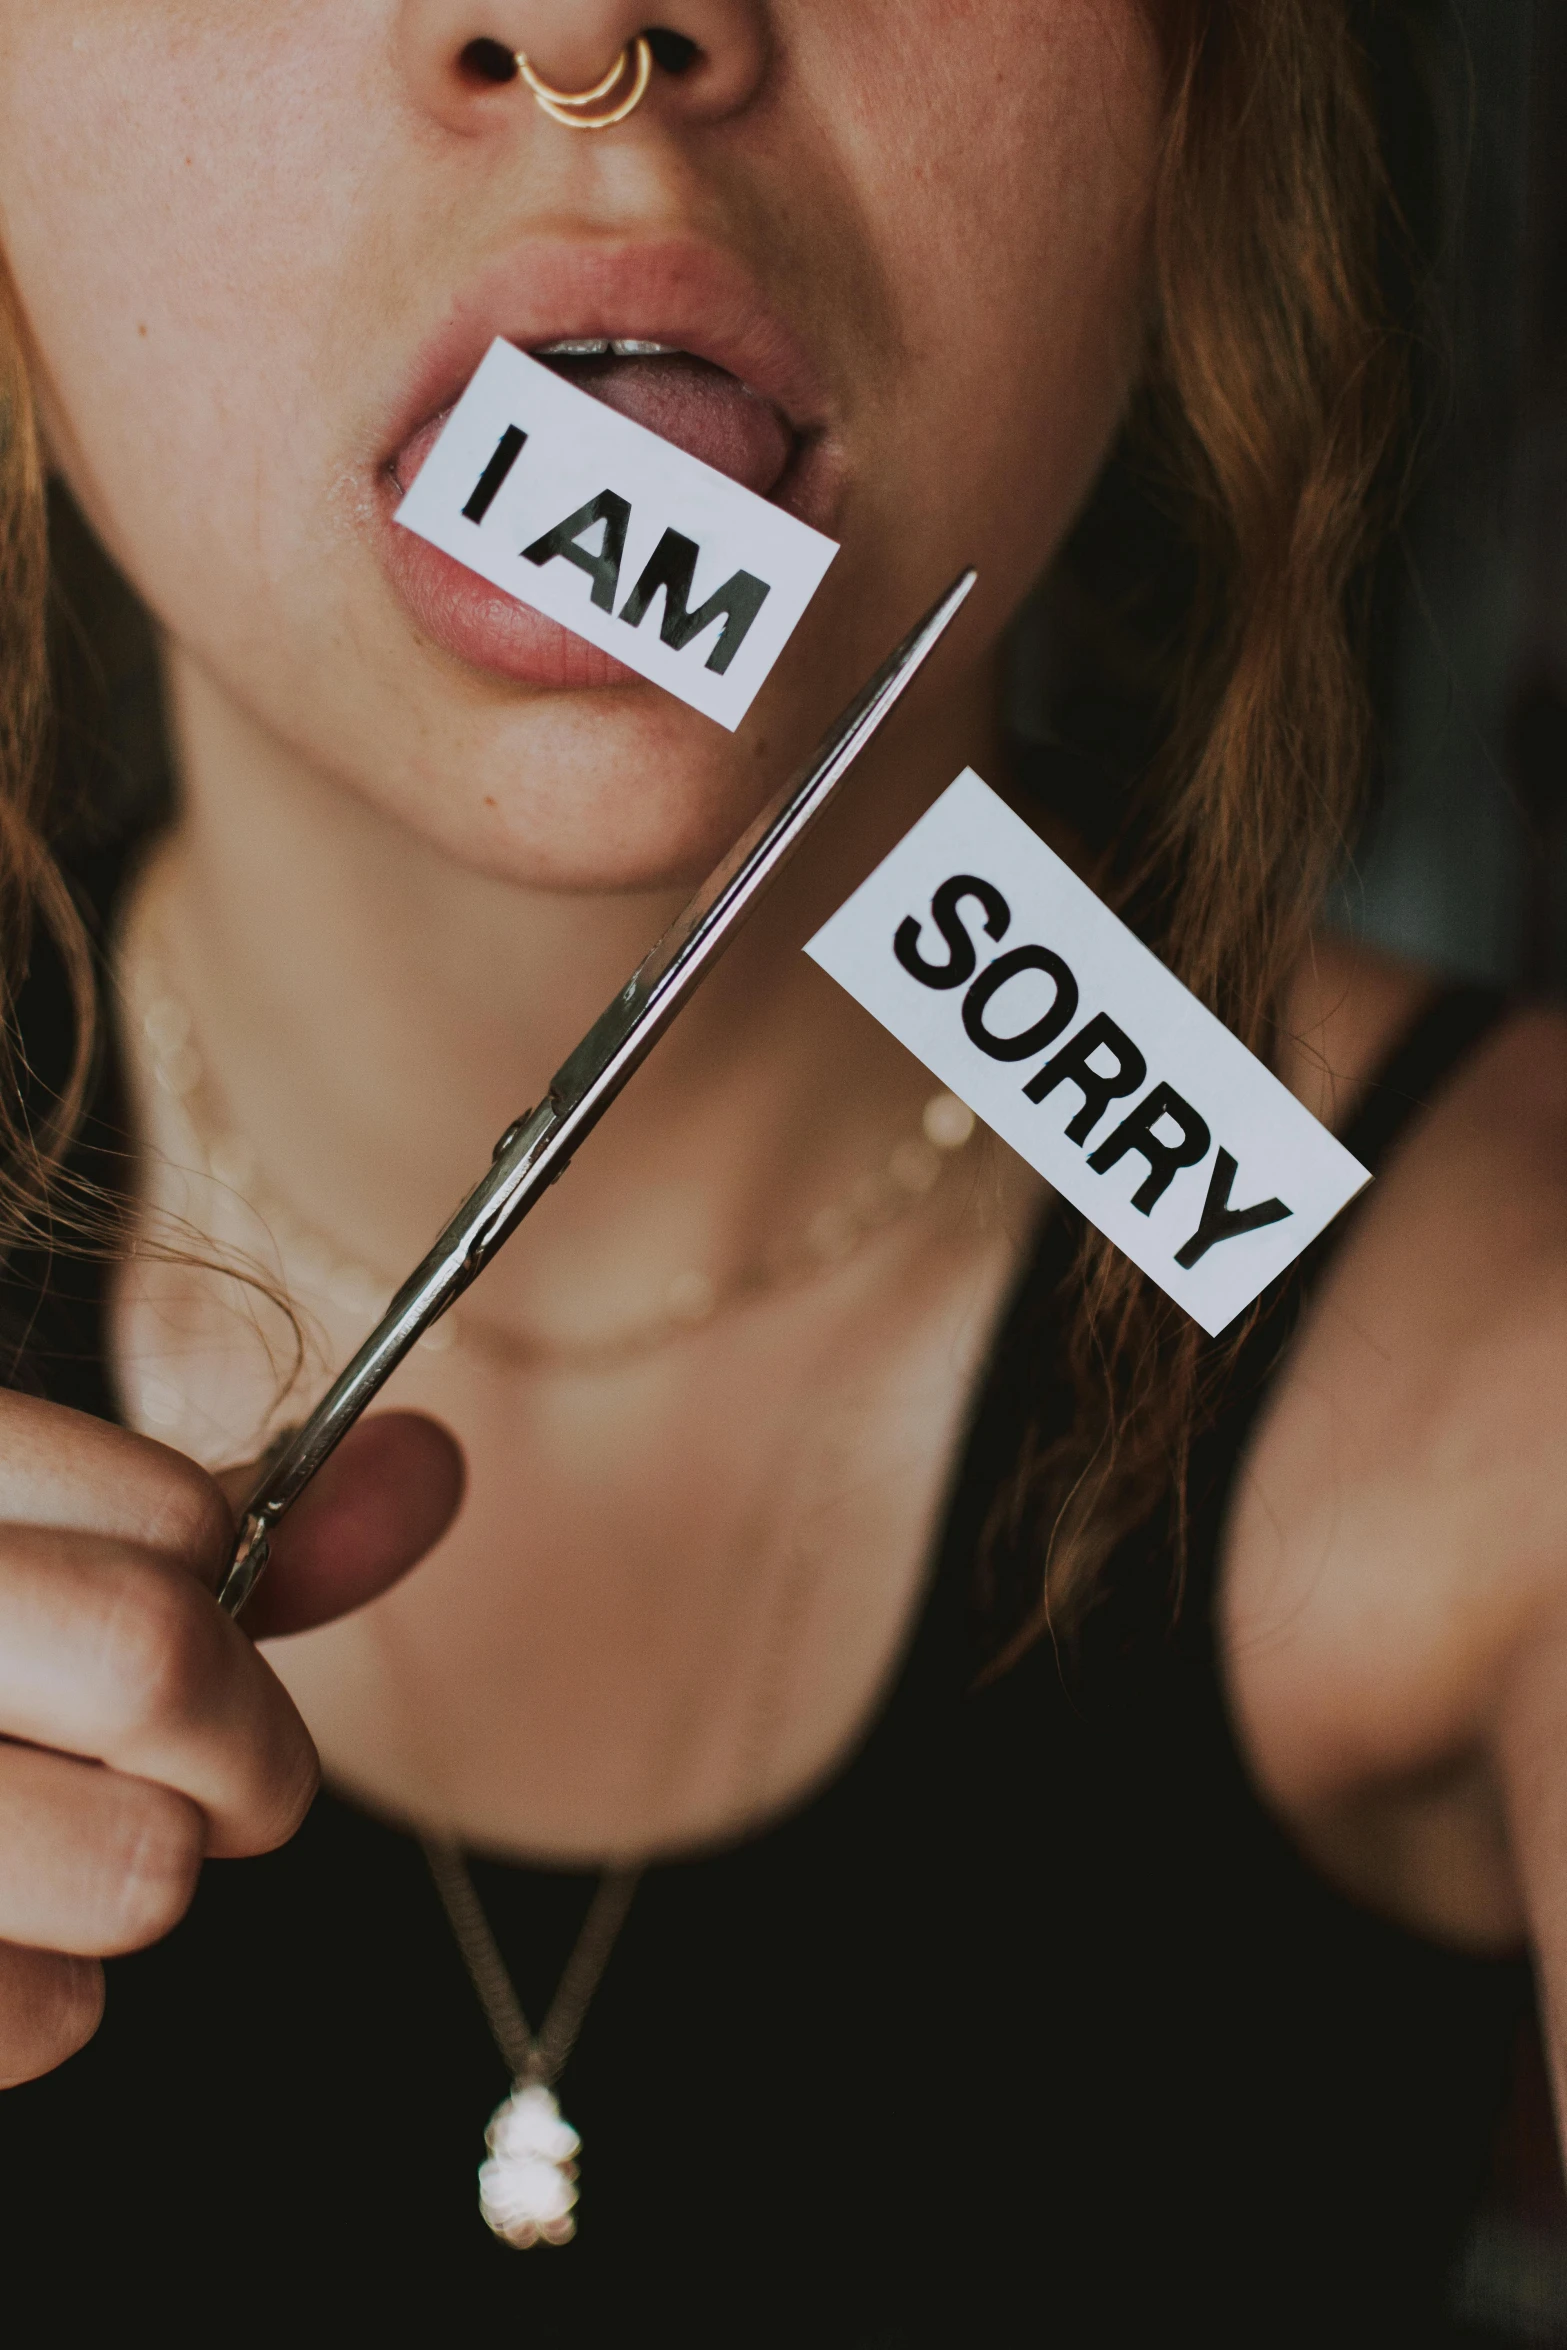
(567, 106)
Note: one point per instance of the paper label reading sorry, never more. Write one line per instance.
(1007, 977)
(690, 579)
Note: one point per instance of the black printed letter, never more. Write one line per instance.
(672, 566)
(1165, 1159)
(944, 913)
(1028, 1041)
(1071, 1065)
(1222, 1222)
(507, 451)
(603, 568)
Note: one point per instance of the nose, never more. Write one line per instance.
(709, 57)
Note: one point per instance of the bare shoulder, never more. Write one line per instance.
(1402, 1515)
(1348, 1006)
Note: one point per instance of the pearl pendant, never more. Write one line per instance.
(528, 2188)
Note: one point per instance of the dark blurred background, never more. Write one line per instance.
(1465, 861)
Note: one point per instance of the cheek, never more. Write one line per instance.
(177, 188)
(1002, 154)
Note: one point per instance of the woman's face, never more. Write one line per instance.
(260, 244)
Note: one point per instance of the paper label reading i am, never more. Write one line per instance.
(987, 957)
(681, 573)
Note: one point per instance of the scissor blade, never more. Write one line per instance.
(623, 1035)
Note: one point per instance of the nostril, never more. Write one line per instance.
(672, 51)
(488, 62)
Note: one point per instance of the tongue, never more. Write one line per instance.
(703, 410)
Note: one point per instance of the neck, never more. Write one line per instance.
(374, 1014)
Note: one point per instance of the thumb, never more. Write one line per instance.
(384, 1499)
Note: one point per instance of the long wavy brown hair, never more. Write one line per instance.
(1274, 407)
(1275, 420)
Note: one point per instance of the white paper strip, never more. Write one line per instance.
(991, 961)
(678, 571)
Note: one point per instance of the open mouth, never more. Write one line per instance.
(697, 406)
(675, 335)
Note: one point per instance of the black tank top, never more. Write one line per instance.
(1031, 2026)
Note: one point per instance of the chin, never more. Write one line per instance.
(608, 789)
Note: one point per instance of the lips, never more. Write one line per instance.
(733, 386)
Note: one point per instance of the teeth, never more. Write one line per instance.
(600, 347)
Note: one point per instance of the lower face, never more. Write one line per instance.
(256, 257)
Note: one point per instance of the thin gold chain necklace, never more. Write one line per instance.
(318, 1268)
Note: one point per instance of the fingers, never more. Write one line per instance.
(91, 1863)
(382, 1501)
(61, 1468)
(139, 1727)
(110, 1647)
(49, 2007)
(116, 1654)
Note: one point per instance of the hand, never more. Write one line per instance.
(140, 1732)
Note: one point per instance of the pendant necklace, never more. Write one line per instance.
(528, 2184)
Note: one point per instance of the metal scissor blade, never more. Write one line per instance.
(538, 1147)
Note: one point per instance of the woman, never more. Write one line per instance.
(1040, 1926)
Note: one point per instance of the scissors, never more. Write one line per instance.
(538, 1146)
